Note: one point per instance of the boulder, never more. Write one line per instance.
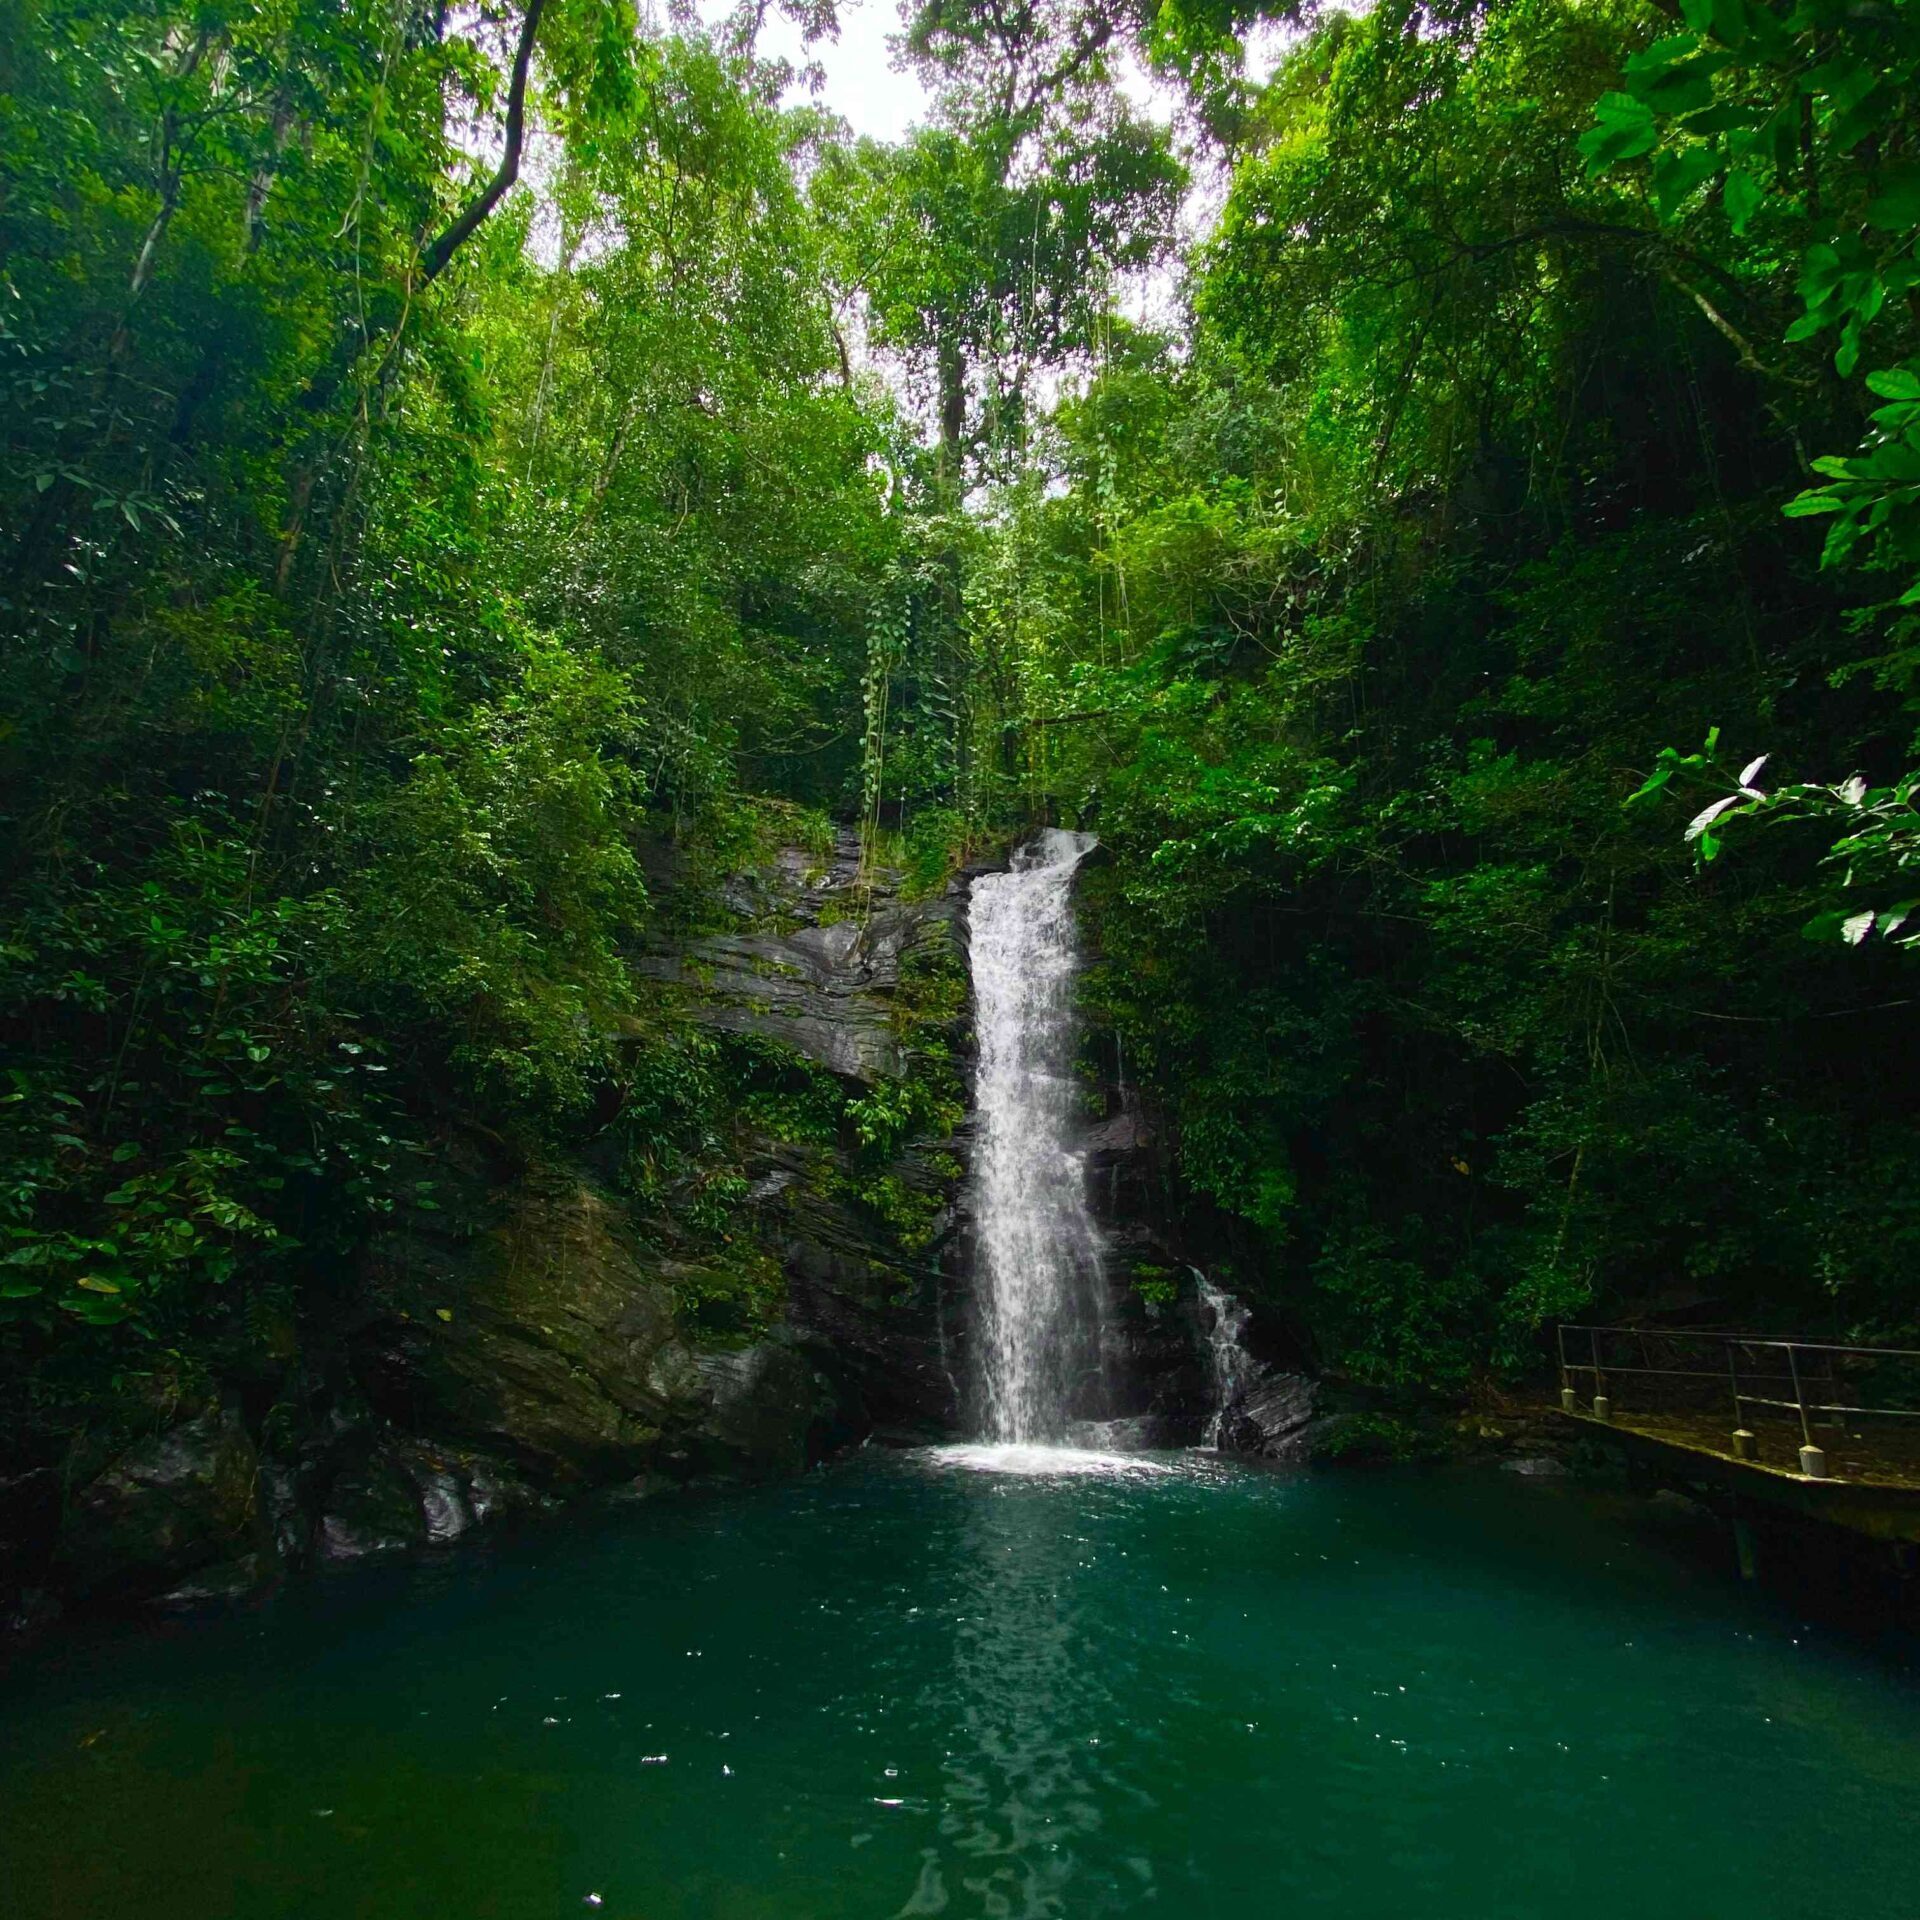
(763, 1404)
(180, 1501)
(1536, 1467)
(374, 1507)
(1276, 1418)
(545, 1337)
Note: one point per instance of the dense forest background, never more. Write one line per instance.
(459, 462)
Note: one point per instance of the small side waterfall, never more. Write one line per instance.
(1234, 1369)
(1041, 1301)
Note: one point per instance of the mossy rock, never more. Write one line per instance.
(555, 1338)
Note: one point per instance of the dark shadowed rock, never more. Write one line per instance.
(763, 1404)
(226, 1580)
(30, 1611)
(1275, 1419)
(1536, 1467)
(178, 1502)
(29, 1519)
(827, 992)
(562, 1355)
(546, 1336)
(389, 1492)
(372, 1508)
(869, 1317)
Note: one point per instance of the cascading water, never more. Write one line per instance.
(1041, 1299)
(1233, 1368)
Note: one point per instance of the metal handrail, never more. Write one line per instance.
(1748, 1340)
(1813, 1461)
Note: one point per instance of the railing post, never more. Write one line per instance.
(1602, 1406)
(1566, 1383)
(1813, 1463)
(1744, 1444)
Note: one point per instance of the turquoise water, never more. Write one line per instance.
(910, 1687)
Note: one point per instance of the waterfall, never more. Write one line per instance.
(1233, 1368)
(1041, 1299)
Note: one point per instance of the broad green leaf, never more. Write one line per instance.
(1676, 175)
(1895, 383)
(1625, 129)
(1896, 206)
(1743, 196)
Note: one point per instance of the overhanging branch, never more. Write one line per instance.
(434, 261)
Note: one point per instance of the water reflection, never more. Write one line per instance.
(1036, 1763)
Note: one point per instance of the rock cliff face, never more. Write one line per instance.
(542, 1330)
(551, 1325)
(1180, 1377)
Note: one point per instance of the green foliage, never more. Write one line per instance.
(1156, 1286)
(1361, 615)
(416, 598)
(378, 583)
(1377, 1437)
(731, 1302)
(1802, 117)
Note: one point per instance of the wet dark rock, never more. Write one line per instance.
(547, 1337)
(1120, 1135)
(288, 1520)
(1675, 1504)
(495, 1491)
(30, 1611)
(817, 966)
(1276, 1420)
(824, 991)
(563, 1354)
(873, 1321)
(372, 1508)
(29, 1519)
(1155, 1357)
(643, 1486)
(166, 1507)
(764, 1403)
(394, 1492)
(227, 1580)
(1536, 1467)
(812, 996)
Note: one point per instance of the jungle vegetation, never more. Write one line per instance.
(1446, 510)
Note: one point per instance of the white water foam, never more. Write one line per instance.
(1036, 1462)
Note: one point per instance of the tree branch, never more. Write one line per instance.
(434, 262)
(354, 340)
